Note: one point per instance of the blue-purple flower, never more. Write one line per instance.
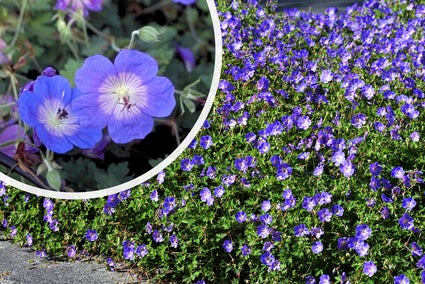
(70, 251)
(141, 250)
(240, 216)
(245, 250)
(347, 169)
(363, 232)
(48, 109)
(324, 215)
(174, 240)
(326, 76)
(369, 268)
(91, 235)
(83, 5)
(337, 210)
(267, 258)
(301, 230)
(416, 249)
(401, 279)
(128, 250)
(397, 172)
(186, 164)
(406, 222)
(29, 240)
(206, 142)
(157, 236)
(125, 96)
(408, 203)
(263, 231)
(228, 245)
(206, 196)
(317, 247)
(324, 279)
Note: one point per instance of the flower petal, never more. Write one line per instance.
(130, 128)
(29, 104)
(57, 144)
(90, 114)
(136, 62)
(159, 100)
(55, 87)
(86, 138)
(92, 74)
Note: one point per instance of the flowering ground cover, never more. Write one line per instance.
(309, 168)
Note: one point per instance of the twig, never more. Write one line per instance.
(12, 164)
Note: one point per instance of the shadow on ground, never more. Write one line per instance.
(22, 265)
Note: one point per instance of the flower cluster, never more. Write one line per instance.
(123, 96)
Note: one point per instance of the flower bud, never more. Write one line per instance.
(148, 34)
(64, 30)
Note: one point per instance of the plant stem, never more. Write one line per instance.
(132, 40)
(111, 39)
(156, 7)
(20, 20)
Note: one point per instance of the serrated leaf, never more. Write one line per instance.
(70, 68)
(120, 169)
(115, 175)
(96, 45)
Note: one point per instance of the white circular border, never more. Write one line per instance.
(174, 155)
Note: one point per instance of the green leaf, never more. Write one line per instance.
(190, 105)
(115, 175)
(70, 68)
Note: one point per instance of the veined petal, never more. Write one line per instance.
(57, 144)
(136, 62)
(130, 128)
(159, 100)
(55, 87)
(86, 138)
(89, 111)
(90, 76)
(29, 103)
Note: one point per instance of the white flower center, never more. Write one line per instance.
(57, 118)
(122, 94)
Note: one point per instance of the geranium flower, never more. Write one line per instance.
(75, 5)
(70, 250)
(29, 240)
(317, 247)
(228, 245)
(48, 110)
(174, 241)
(267, 258)
(401, 279)
(125, 96)
(141, 250)
(128, 250)
(369, 268)
(245, 250)
(91, 235)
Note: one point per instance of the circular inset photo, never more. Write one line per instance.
(98, 96)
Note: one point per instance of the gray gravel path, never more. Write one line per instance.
(21, 265)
